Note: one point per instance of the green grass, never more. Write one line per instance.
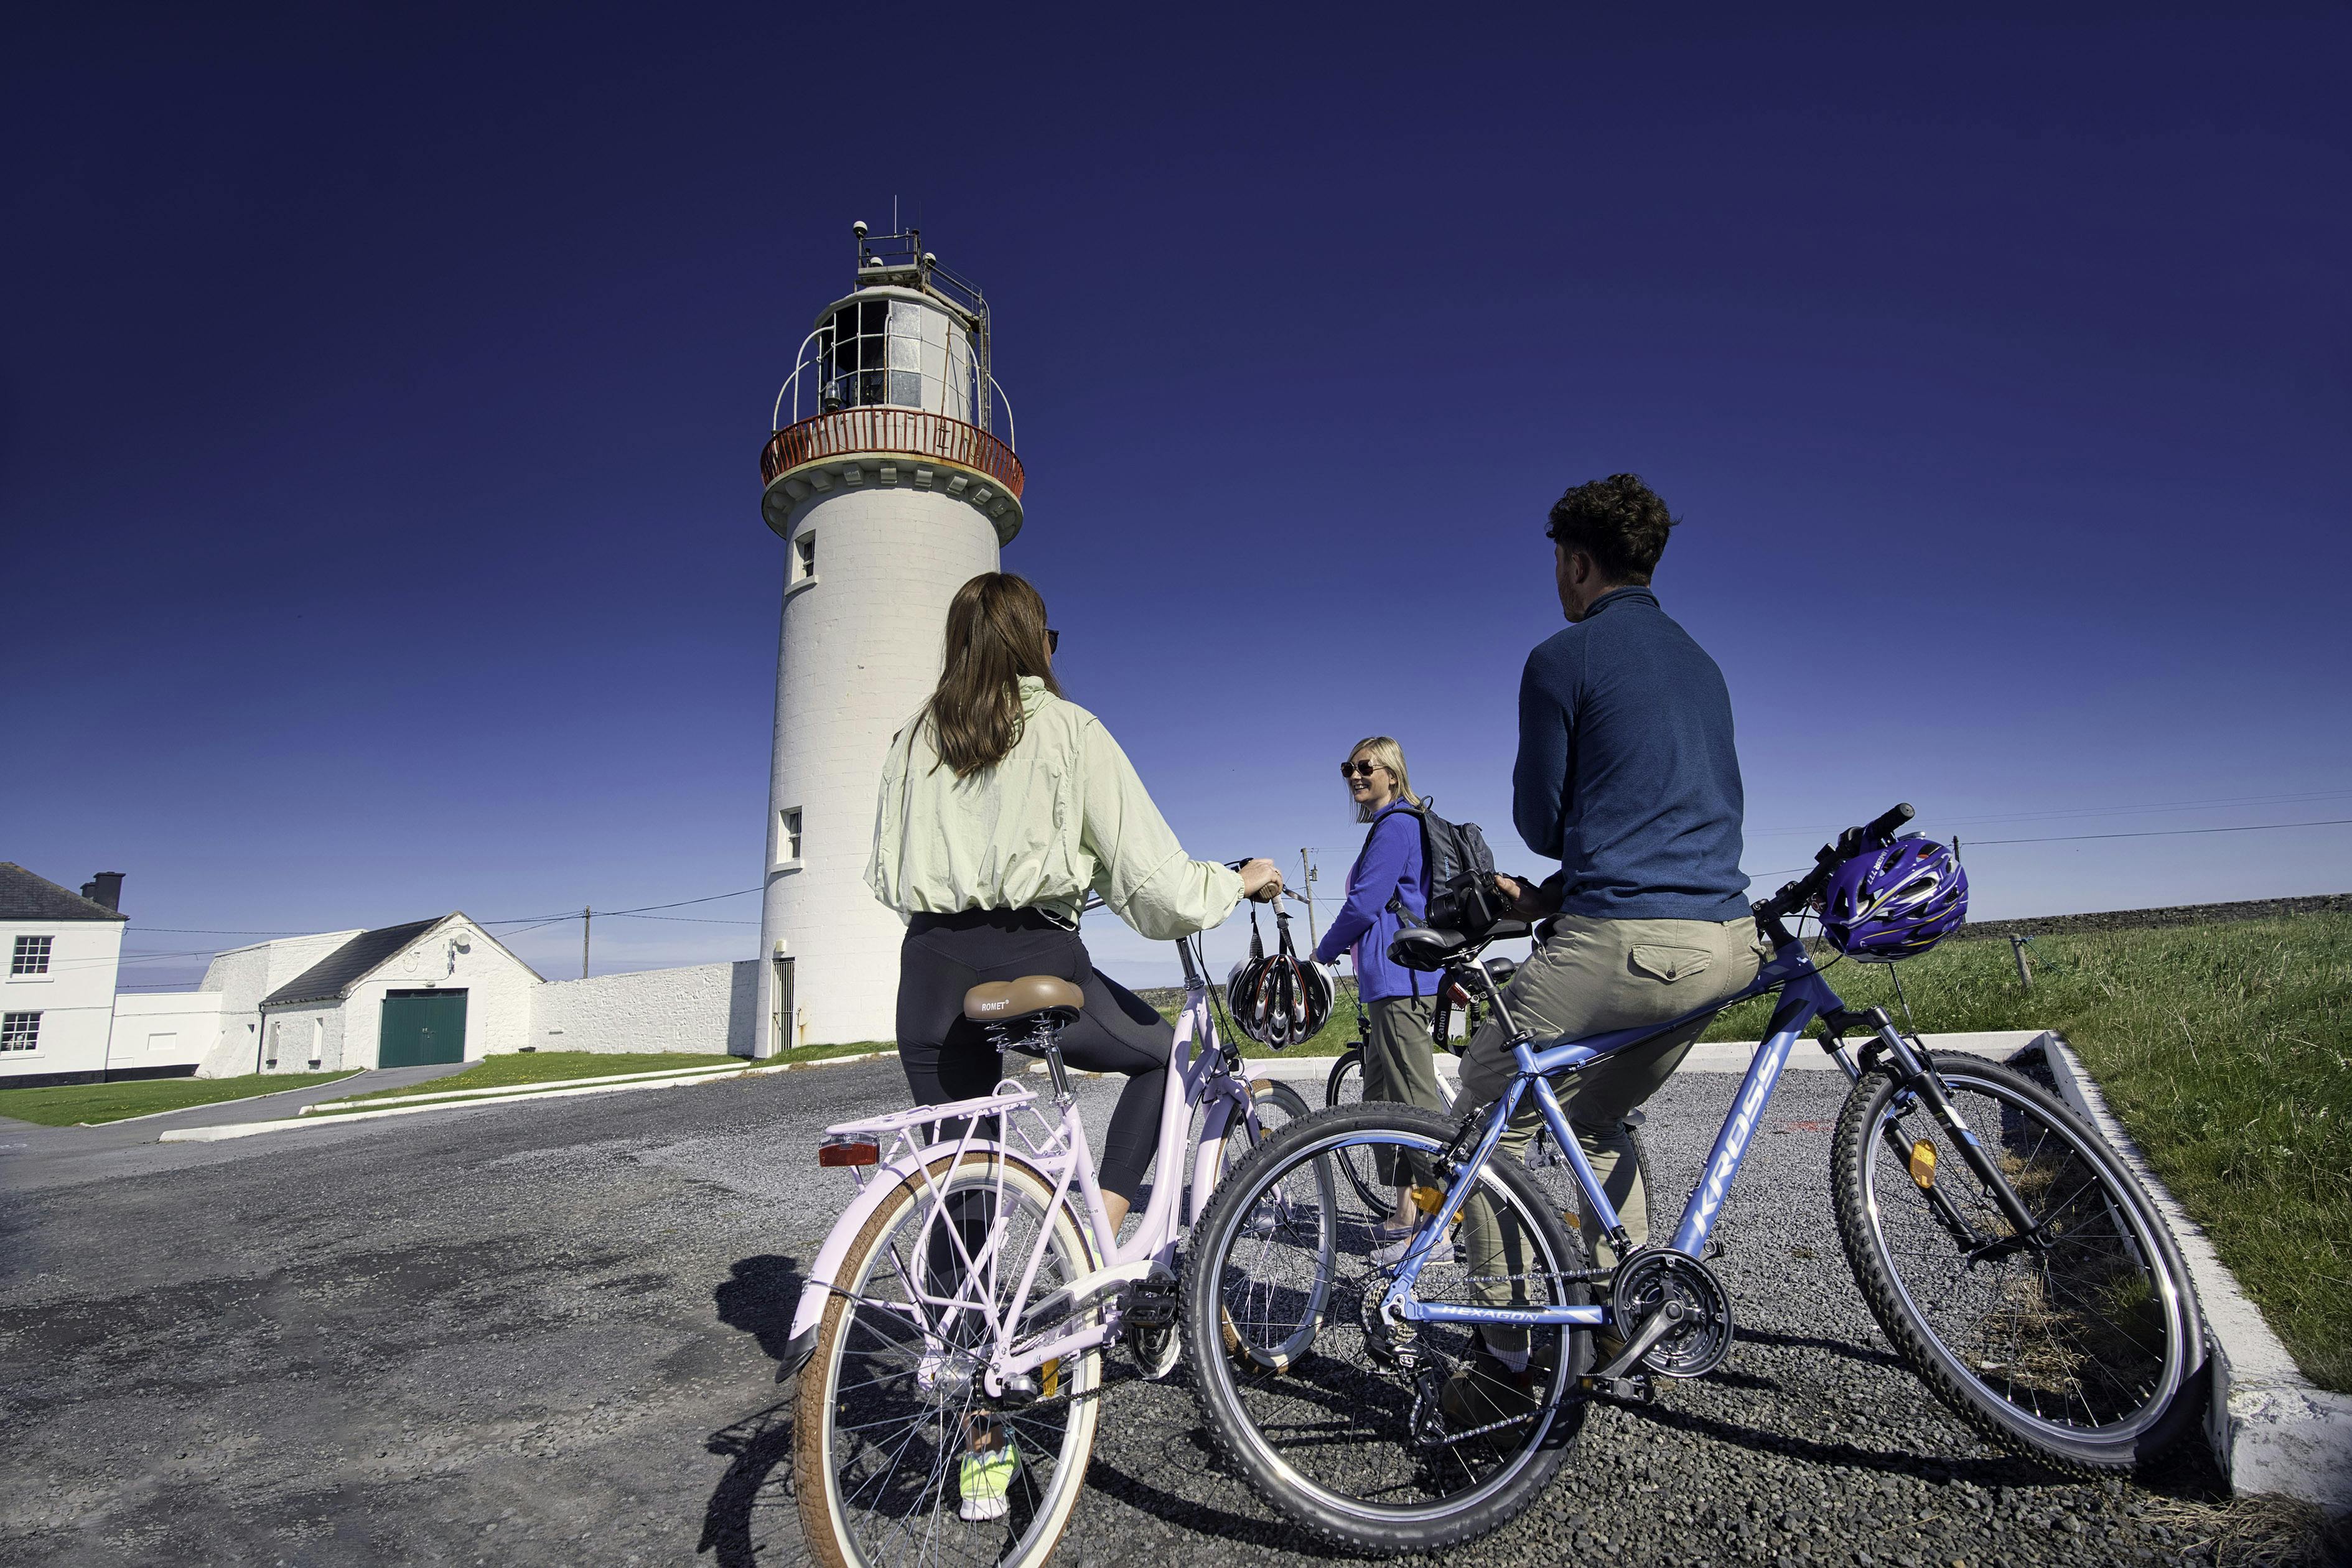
(2226, 1049)
(511, 1069)
(65, 1105)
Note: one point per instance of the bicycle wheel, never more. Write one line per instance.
(892, 1396)
(1308, 1225)
(2084, 1350)
(1354, 1443)
(1346, 1087)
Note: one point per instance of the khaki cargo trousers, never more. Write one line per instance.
(1587, 977)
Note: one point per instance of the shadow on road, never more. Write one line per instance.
(751, 1519)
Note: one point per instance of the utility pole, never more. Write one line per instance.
(587, 916)
(1306, 883)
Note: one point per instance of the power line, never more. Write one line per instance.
(2164, 832)
(2100, 811)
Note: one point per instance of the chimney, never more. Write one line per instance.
(106, 887)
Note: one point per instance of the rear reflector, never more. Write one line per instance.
(849, 1152)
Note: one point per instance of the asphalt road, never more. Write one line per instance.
(547, 1335)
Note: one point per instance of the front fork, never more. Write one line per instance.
(1916, 1082)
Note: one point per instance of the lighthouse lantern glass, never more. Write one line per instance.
(900, 353)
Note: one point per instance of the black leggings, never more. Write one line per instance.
(947, 1056)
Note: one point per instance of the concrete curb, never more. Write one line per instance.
(346, 1106)
(2270, 1429)
(625, 1085)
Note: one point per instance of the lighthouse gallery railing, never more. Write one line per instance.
(908, 431)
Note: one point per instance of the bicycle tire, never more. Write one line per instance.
(820, 1442)
(1355, 1523)
(2001, 1351)
(1292, 1106)
(1346, 1087)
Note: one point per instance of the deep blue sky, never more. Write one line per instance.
(382, 396)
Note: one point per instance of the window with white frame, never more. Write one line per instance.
(804, 556)
(788, 834)
(20, 1031)
(31, 955)
(317, 1040)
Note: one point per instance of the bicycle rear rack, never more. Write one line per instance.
(904, 1135)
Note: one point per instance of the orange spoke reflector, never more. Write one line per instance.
(1923, 1164)
(849, 1152)
(1050, 1383)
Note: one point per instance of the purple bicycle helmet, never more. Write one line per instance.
(1896, 902)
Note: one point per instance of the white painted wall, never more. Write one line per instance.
(858, 653)
(704, 1007)
(74, 998)
(164, 1029)
(242, 976)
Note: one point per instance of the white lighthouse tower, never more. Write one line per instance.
(891, 486)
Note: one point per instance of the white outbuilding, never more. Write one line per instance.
(440, 990)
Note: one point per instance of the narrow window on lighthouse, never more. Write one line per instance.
(788, 835)
(805, 557)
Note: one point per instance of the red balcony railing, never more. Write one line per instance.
(909, 432)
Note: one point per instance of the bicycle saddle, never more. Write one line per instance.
(999, 1000)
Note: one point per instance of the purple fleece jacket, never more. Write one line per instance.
(1389, 863)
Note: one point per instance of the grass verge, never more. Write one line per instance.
(2226, 1049)
(70, 1104)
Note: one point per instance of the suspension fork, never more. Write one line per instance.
(1915, 1079)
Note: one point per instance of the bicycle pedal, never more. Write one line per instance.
(1638, 1389)
(1151, 1309)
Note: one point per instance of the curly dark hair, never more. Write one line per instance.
(1619, 521)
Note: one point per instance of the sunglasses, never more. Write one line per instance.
(1359, 770)
(1053, 640)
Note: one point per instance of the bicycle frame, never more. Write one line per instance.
(1806, 996)
(1203, 1073)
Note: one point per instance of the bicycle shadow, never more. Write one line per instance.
(751, 1519)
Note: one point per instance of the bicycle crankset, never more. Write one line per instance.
(1697, 1332)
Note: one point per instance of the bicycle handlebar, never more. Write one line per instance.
(1877, 833)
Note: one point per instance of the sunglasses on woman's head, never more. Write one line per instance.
(1359, 770)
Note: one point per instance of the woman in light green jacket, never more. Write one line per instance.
(1002, 806)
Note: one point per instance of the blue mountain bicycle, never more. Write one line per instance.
(2008, 1253)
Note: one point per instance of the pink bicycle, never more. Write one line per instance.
(950, 1340)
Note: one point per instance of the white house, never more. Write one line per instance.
(56, 998)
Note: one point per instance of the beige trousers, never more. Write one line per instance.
(1400, 1068)
(1588, 977)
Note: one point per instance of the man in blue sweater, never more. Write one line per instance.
(1627, 776)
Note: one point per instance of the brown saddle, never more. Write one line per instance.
(1002, 1000)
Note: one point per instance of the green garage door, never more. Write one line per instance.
(422, 1027)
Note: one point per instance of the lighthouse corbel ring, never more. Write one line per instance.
(889, 446)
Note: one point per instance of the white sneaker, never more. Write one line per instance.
(1391, 1255)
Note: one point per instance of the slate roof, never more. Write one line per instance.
(334, 974)
(25, 897)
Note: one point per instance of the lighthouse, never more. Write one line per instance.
(891, 480)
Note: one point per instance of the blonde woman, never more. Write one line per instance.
(1400, 1055)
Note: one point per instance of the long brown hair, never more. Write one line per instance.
(996, 634)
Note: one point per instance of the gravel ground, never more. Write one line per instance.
(546, 1335)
